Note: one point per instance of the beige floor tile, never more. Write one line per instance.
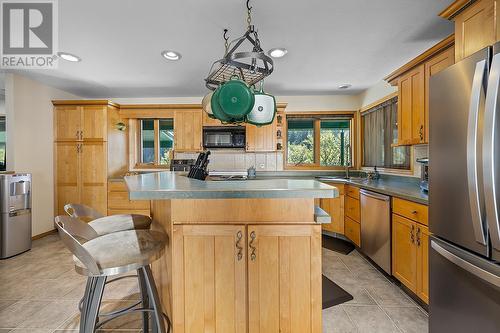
(409, 320)
(6, 303)
(15, 314)
(346, 280)
(31, 330)
(387, 293)
(52, 315)
(336, 320)
(370, 318)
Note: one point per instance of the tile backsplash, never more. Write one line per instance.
(223, 160)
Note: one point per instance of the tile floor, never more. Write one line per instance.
(39, 292)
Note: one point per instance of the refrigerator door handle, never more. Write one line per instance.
(489, 174)
(466, 265)
(475, 201)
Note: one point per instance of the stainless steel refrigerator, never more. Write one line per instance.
(464, 195)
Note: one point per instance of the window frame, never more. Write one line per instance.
(361, 142)
(136, 143)
(318, 116)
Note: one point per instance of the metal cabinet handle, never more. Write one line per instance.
(253, 256)
(239, 236)
(418, 236)
(412, 234)
(77, 135)
(81, 135)
(421, 132)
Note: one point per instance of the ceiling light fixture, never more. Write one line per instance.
(69, 57)
(277, 52)
(345, 86)
(171, 55)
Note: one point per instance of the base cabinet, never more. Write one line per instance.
(277, 267)
(410, 255)
(335, 208)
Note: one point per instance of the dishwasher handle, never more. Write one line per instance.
(374, 195)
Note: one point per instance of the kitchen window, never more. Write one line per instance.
(155, 142)
(319, 141)
(380, 133)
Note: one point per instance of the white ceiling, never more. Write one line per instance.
(329, 42)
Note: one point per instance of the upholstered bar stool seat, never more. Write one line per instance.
(99, 257)
(107, 224)
(123, 251)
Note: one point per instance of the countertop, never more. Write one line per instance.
(175, 185)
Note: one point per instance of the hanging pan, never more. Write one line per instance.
(206, 104)
(235, 98)
(264, 108)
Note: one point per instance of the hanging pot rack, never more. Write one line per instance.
(251, 66)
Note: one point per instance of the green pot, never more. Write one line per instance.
(216, 109)
(236, 99)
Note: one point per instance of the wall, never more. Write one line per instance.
(30, 141)
(2, 104)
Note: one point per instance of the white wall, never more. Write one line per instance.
(2, 104)
(375, 93)
(30, 141)
(295, 103)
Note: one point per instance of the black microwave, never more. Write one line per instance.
(224, 137)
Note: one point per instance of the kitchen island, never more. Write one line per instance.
(242, 256)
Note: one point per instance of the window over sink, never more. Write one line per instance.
(319, 141)
(380, 134)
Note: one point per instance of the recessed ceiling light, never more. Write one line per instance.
(69, 57)
(277, 52)
(171, 55)
(345, 86)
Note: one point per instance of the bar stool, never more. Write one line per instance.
(111, 254)
(107, 224)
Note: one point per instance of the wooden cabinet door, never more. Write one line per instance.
(67, 123)
(93, 185)
(411, 104)
(284, 268)
(404, 251)
(66, 175)
(210, 283)
(188, 128)
(435, 65)
(334, 208)
(475, 28)
(261, 138)
(94, 122)
(423, 263)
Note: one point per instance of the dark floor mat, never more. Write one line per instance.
(337, 244)
(333, 294)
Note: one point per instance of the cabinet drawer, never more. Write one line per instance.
(353, 231)
(411, 210)
(119, 200)
(352, 208)
(352, 191)
(117, 187)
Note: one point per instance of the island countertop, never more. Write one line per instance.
(176, 185)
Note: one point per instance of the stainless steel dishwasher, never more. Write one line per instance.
(376, 228)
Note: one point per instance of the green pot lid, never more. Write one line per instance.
(236, 99)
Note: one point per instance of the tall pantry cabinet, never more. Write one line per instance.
(86, 140)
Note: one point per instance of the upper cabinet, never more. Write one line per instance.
(188, 127)
(411, 111)
(412, 81)
(476, 25)
(80, 122)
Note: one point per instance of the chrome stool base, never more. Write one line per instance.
(91, 320)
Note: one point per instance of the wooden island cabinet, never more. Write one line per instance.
(246, 260)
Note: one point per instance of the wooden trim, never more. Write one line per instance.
(455, 8)
(162, 106)
(378, 102)
(57, 102)
(157, 141)
(43, 234)
(149, 113)
(439, 47)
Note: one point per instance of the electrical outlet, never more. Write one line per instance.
(262, 166)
